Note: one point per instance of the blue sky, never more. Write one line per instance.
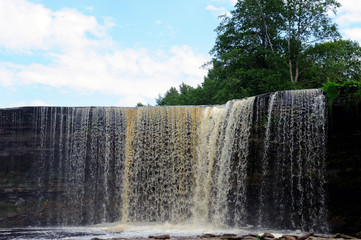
(112, 52)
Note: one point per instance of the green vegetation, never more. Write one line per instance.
(331, 89)
(273, 45)
(139, 104)
(349, 90)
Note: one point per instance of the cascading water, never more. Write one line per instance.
(221, 163)
(292, 191)
(258, 161)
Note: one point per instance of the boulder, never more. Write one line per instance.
(165, 236)
(250, 238)
(340, 235)
(208, 235)
(321, 235)
(289, 237)
(267, 235)
(305, 236)
(231, 236)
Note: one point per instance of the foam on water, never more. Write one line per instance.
(133, 230)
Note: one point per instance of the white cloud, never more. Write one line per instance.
(353, 33)
(218, 11)
(26, 27)
(109, 22)
(349, 19)
(87, 64)
(33, 104)
(130, 72)
(90, 9)
(349, 13)
(233, 2)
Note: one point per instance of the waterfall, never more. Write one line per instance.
(258, 161)
(221, 163)
(293, 166)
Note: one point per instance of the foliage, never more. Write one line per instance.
(349, 90)
(331, 89)
(186, 95)
(273, 35)
(139, 104)
(307, 22)
(273, 45)
(337, 60)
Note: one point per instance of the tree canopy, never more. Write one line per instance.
(272, 45)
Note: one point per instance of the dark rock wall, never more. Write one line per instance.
(344, 168)
(18, 175)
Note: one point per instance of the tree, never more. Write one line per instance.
(268, 45)
(307, 23)
(277, 32)
(171, 97)
(139, 104)
(338, 61)
(249, 51)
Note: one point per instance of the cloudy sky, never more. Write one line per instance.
(112, 52)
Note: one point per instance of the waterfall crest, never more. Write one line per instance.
(259, 161)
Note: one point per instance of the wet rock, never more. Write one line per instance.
(358, 234)
(231, 236)
(267, 235)
(208, 235)
(236, 238)
(11, 215)
(305, 236)
(320, 235)
(250, 238)
(165, 236)
(253, 235)
(289, 237)
(340, 235)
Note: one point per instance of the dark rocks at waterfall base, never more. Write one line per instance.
(165, 236)
(265, 236)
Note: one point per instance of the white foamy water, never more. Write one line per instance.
(132, 230)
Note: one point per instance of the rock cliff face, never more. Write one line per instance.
(18, 176)
(344, 168)
(41, 164)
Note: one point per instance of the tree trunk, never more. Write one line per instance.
(289, 50)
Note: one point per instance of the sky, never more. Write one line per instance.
(112, 52)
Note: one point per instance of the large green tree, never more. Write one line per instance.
(307, 22)
(273, 34)
(272, 45)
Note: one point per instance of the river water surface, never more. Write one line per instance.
(134, 230)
